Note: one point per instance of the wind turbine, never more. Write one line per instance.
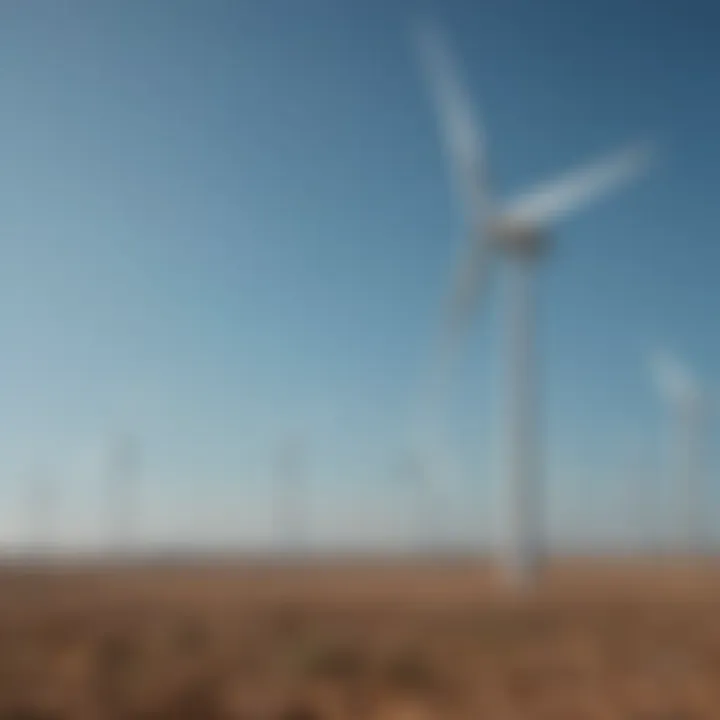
(122, 487)
(519, 232)
(291, 497)
(415, 477)
(687, 403)
(41, 504)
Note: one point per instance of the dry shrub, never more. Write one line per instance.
(200, 699)
(409, 671)
(299, 710)
(27, 713)
(289, 621)
(190, 636)
(338, 662)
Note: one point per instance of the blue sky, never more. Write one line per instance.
(227, 222)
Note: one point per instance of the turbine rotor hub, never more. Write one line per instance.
(519, 240)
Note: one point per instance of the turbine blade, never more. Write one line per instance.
(462, 134)
(462, 299)
(555, 199)
(464, 143)
(471, 275)
(673, 379)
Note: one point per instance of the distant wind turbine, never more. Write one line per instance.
(415, 478)
(519, 231)
(122, 493)
(41, 505)
(689, 406)
(291, 498)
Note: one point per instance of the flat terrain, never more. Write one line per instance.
(393, 640)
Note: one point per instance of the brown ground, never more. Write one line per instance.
(390, 642)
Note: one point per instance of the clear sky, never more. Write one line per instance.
(227, 222)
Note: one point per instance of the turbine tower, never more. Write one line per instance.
(122, 490)
(41, 504)
(682, 392)
(414, 477)
(291, 498)
(518, 231)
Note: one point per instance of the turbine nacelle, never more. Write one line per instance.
(517, 238)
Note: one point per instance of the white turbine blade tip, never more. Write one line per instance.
(570, 191)
(461, 131)
(427, 31)
(672, 378)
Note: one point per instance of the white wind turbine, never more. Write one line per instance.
(122, 493)
(688, 407)
(519, 231)
(41, 505)
(416, 479)
(291, 498)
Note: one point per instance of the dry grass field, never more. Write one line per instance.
(389, 641)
